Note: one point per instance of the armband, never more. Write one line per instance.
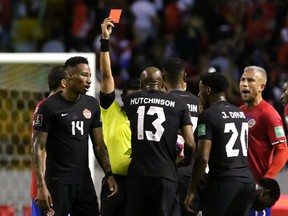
(104, 45)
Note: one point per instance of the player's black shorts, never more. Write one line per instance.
(76, 199)
(226, 198)
(150, 196)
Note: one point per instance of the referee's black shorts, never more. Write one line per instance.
(226, 198)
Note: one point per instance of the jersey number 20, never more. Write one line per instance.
(230, 127)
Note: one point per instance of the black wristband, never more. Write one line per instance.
(104, 45)
(109, 173)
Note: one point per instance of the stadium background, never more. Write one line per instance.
(225, 34)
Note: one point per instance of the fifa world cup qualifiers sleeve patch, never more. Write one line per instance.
(201, 130)
(38, 120)
(286, 119)
(279, 131)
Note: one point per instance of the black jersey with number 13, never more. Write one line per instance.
(155, 118)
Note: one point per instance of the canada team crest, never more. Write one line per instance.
(87, 113)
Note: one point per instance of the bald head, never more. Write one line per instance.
(151, 78)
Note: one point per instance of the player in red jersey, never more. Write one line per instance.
(284, 99)
(267, 146)
(56, 82)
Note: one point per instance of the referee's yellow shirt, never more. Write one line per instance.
(117, 136)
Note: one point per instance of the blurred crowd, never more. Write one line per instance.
(224, 34)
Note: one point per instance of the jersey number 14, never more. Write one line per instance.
(77, 125)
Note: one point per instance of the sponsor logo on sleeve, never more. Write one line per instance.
(279, 131)
(201, 130)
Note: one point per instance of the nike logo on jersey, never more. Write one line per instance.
(64, 114)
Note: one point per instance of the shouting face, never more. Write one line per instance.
(251, 86)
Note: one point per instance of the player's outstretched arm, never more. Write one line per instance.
(102, 156)
(107, 81)
(43, 199)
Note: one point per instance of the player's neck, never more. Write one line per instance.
(70, 96)
(217, 100)
(177, 87)
(252, 104)
(54, 92)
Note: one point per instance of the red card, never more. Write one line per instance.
(115, 15)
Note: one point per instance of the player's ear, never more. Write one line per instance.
(184, 86)
(208, 90)
(70, 75)
(63, 83)
(262, 87)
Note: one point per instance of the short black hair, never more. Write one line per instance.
(132, 84)
(172, 68)
(273, 188)
(74, 61)
(216, 81)
(55, 76)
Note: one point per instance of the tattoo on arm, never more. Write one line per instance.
(38, 154)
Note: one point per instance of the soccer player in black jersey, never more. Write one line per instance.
(64, 123)
(174, 76)
(56, 83)
(155, 118)
(222, 143)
